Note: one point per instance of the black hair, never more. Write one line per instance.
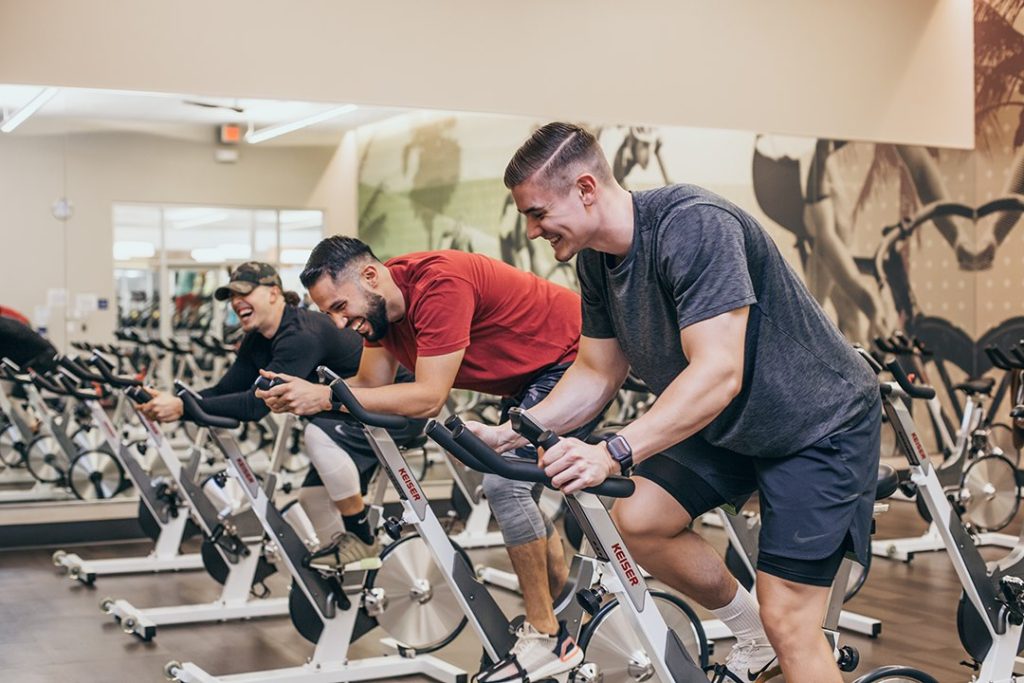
(292, 298)
(332, 256)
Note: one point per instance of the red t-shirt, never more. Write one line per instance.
(511, 323)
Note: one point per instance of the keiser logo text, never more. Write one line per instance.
(407, 480)
(243, 467)
(921, 453)
(627, 566)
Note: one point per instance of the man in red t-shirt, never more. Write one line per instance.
(461, 321)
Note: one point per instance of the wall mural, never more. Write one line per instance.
(886, 236)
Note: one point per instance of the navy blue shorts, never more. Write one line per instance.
(816, 504)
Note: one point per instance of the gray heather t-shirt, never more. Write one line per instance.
(695, 255)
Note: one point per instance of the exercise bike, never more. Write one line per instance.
(991, 610)
(330, 606)
(653, 647)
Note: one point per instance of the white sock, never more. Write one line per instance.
(743, 617)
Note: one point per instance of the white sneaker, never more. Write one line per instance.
(753, 660)
(534, 657)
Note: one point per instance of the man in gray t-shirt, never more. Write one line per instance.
(758, 391)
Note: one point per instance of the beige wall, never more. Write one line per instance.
(41, 253)
(872, 69)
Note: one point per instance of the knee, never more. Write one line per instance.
(788, 620)
(637, 524)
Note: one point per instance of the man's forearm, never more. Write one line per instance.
(411, 399)
(693, 399)
(579, 397)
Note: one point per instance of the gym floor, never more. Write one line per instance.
(52, 629)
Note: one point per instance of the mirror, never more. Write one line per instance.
(123, 212)
(161, 203)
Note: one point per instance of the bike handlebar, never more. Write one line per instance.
(518, 468)
(107, 370)
(194, 412)
(343, 395)
(868, 358)
(912, 390)
(70, 382)
(73, 366)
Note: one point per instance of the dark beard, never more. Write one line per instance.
(377, 316)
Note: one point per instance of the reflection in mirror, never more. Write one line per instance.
(35, 220)
(123, 213)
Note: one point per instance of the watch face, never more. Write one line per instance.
(619, 448)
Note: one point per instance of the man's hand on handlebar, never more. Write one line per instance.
(296, 395)
(163, 407)
(501, 437)
(574, 465)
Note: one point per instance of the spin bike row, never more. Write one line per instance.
(978, 466)
(331, 604)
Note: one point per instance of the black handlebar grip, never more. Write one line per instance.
(71, 385)
(100, 363)
(994, 357)
(46, 383)
(547, 439)
(107, 371)
(524, 470)
(265, 383)
(343, 395)
(530, 429)
(138, 395)
(69, 365)
(444, 439)
(912, 390)
(194, 413)
(884, 345)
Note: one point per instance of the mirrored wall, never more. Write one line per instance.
(120, 214)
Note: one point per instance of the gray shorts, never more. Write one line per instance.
(514, 503)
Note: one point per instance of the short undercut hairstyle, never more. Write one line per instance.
(557, 154)
(333, 256)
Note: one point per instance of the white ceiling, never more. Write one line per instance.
(80, 109)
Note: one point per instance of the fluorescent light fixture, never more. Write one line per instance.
(195, 218)
(300, 220)
(127, 250)
(295, 256)
(236, 251)
(221, 253)
(29, 108)
(265, 134)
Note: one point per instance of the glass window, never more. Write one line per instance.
(192, 248)
(300, 232)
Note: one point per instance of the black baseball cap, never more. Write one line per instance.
(247, 277)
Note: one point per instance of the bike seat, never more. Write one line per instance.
(888, 481)
(977, 386)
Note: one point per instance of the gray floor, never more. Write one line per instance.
(51, 629)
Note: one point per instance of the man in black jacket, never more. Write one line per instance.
(280, 337)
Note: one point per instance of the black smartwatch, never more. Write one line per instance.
(621, 453)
